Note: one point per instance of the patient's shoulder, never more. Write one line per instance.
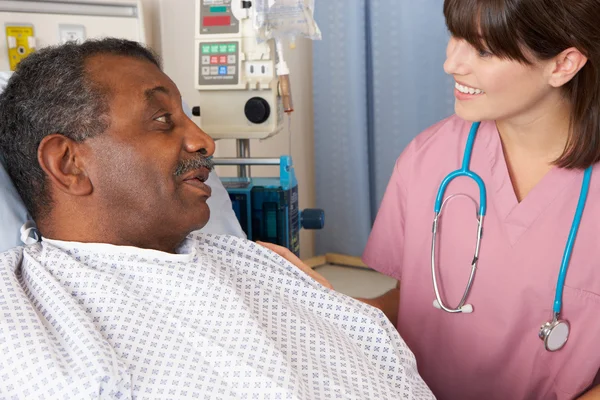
(224, 245)
(247, 258)
(11, 256)
(10, 261)
(37, 331)
(208, 243)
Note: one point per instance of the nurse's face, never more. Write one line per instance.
(490, 88)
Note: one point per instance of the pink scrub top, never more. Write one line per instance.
(494, 352)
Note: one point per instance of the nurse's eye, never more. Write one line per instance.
(483, 53)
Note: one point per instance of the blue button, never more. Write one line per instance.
(222, 70)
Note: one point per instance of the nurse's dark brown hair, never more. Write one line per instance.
(546, 28)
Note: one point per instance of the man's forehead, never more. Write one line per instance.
(123, 74)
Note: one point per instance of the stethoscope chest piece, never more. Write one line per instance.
(555, 334)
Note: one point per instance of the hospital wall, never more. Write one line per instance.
(170, 31)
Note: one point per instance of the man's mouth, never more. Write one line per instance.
(197, 178)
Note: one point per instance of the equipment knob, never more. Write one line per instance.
(312, 218)
(196, 111)
(257, 110)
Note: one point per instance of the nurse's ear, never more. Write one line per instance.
(565, 66)
(63, 161)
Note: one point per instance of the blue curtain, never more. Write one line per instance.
(378, 82)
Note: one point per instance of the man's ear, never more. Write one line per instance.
(62, 162)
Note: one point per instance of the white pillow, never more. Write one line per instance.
(222, 217)
(13, 214)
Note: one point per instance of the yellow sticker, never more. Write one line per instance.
(20, 42)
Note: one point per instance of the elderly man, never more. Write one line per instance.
(121, 299)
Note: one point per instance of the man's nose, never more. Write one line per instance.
(197, 141)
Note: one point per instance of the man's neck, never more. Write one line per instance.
(77, 227)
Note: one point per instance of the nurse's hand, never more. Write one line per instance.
(291, 257)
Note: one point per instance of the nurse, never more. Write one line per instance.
(529, 70)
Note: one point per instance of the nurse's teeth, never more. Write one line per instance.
(467, 90)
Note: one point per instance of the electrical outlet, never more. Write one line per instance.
(71, 33)
(257, 69)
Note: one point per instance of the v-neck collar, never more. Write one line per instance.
(517, 216)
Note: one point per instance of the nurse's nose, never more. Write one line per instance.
(458, 56)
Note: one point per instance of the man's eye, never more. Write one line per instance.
(165, 119)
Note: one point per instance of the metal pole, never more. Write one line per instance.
(246, 161)
(243, 151)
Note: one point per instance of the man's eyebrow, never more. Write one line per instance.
(149, 93)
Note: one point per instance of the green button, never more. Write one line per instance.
(232, 48)
(205, 49)
(218, 9)
(214, 48)
(223, 48)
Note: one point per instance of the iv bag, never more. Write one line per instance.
(285, 19)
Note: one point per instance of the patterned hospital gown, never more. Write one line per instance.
(224, 319)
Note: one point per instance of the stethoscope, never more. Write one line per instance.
(554, 333)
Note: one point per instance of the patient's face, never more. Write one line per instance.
(141, 172)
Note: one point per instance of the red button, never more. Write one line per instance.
(214, 59)
(223, 60)
(224, 20)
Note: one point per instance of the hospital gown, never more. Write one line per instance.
(222, 319)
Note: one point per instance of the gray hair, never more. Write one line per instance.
(50, 93)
